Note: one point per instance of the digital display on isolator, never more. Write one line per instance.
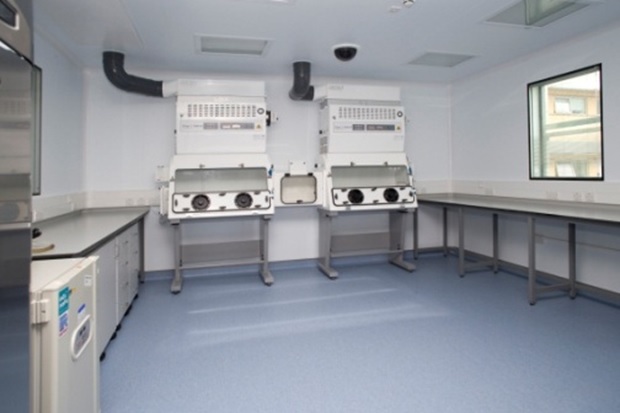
(237, 125)
(381, 128)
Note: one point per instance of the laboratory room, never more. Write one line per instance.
(309, 206)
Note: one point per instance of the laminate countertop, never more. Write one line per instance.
(79, 233)
(579, 211)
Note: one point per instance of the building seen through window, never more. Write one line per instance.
(566, 126)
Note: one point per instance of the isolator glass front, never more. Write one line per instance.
(220, 180)
(370, 176)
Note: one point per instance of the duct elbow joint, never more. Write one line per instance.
(113, 66)
(301, 90)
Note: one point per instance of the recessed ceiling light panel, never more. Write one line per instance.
(241, 46)
(440, 59)
(267, 1)
(537, 13)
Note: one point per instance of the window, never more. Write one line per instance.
(565, 119)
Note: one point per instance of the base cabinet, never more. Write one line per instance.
(106, 296)
(127, 270)
(120, 263)
(116, 236)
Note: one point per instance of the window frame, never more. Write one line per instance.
(538, 85)
(37, 148)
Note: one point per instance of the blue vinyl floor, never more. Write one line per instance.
(378, 339)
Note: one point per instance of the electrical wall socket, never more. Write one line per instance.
(551, 195)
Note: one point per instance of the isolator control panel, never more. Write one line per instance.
(347, 128)
(216, 124)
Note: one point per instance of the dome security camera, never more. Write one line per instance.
(345, 52)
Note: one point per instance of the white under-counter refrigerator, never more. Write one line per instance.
(64, 362)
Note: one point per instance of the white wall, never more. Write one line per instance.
(62, 121)
(128, 135)
(490, 120)
(62, 132)
(490, 155)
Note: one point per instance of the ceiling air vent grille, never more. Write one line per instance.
(440, 59)
(241, 46)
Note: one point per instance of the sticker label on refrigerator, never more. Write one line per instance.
(63, 311)
(81, 312)
(63, 300)
(63, 324)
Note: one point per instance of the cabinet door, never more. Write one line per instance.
(135, 261)
(106, 295)
(122, 275)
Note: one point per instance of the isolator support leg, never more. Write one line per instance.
(264, 243)
(177, 281)
(397, 240)
(325, 243)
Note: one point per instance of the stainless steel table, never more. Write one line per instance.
(532, 209)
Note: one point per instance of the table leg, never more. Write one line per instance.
(531, 274)
(495, 243)
(416, 245)
(572, 260)
(142, 249)
(461, 243)
(445, 231)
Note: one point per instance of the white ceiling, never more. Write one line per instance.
(159, 35)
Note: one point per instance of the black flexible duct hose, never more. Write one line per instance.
(301, 89)
(113, 66)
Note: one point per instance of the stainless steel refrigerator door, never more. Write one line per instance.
(15, 29)
(16, 124)
(14, 318)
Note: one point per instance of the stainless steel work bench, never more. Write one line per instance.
(572, 213)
